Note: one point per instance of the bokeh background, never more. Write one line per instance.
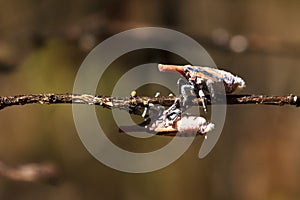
(42, 44)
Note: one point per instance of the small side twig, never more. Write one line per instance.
(125, 102)
(33, 172)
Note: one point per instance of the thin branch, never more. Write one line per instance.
(33, 172)
(132, 102)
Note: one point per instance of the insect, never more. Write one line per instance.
(171, 122)
(203, 80)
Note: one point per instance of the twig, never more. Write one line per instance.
(34, 172)
(132, 102)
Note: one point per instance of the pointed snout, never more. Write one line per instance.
(171, 68)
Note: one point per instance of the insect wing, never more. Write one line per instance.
(206, 73)
(232, 83)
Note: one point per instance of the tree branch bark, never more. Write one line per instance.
(126, 102)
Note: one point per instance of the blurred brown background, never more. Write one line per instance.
(42, 44)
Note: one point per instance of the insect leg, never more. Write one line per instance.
(154, 117)
(203, 98)
(171, 114)
(147, 110)
(211, 89)
(173, 107)
(186, 90)
(180, 83)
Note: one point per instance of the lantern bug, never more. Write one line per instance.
(171, 122)
(202, 80)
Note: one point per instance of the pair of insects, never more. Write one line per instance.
(198, 82)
